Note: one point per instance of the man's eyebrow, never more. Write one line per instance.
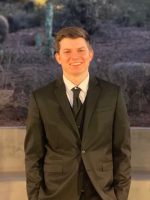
(81, 48)
(65, 49)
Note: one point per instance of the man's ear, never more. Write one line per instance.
(91, 54)
(57, 57)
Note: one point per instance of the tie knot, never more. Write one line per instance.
(76, 91)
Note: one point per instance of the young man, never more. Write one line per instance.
(77, 145)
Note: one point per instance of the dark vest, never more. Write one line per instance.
(85, 186)
(80, 118)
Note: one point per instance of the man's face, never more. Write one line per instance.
(74, 56)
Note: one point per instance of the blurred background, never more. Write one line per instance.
(120, 33)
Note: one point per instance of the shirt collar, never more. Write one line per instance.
(83, 85)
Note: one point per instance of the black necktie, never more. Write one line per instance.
(76, 100)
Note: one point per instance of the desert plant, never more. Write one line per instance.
(29, 6)
(48, 29)
(22, 20)
(130, 13)
(4, 27)
(6, 59)
(81, 12)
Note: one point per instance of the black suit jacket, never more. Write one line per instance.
(53, 148)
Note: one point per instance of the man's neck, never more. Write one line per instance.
(76, 80)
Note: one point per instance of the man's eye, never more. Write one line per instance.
(81, 50)
(66, 52)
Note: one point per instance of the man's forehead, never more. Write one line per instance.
(73, 39)
(77, 42)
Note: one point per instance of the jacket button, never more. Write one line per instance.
(83, 151)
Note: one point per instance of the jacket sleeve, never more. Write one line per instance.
(121, 150)
(34, 150)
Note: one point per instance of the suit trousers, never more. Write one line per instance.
(87, 190)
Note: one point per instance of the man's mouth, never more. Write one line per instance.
(75, 64)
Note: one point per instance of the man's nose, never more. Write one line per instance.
(75, 55)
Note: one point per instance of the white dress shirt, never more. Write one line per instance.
(83, 86)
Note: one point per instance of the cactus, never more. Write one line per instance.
(4, 28)
(38, 40)
(48, 29)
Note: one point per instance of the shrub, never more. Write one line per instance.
(81, 13)
(29, 6)
(131, 13)
(23, 20)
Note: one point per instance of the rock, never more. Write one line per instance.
(4, 28)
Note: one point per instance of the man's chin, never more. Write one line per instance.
(76, 74)
(77, 71)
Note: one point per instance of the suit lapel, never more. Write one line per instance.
(91, 101)
(61, 96)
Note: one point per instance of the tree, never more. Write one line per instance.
(82, 13)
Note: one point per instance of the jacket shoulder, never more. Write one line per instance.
(107, 85)
(46, 89)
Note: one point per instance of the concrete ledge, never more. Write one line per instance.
(140, 144)
(12, 149)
